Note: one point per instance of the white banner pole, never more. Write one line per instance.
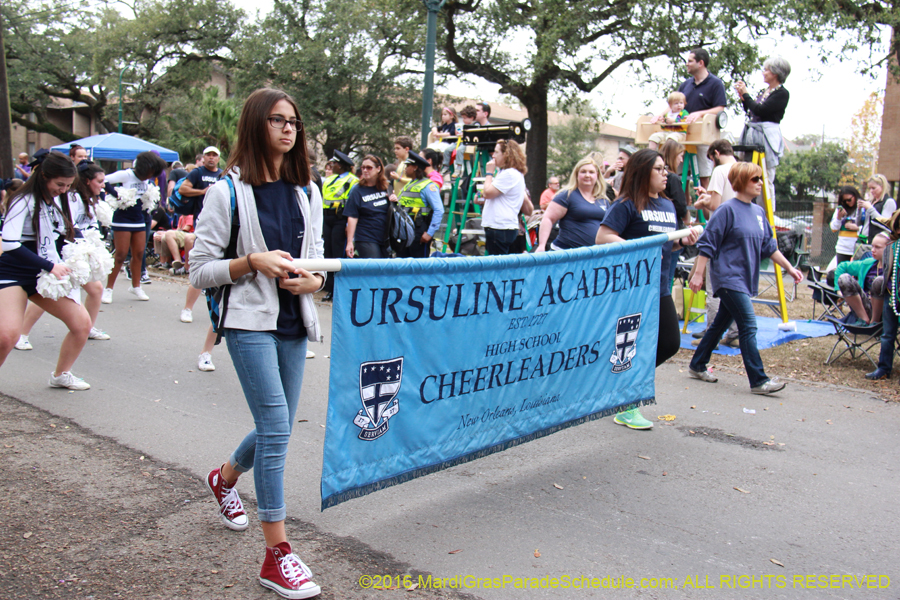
(333, 265)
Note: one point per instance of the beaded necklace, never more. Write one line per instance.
(894, 297)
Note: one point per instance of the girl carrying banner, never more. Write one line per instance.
(270, 313)
(642, 210)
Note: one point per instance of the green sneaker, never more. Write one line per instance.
(633, 419)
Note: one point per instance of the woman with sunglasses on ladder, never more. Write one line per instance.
(737, 236)
(270, 313)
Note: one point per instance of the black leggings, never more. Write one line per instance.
(669, 334)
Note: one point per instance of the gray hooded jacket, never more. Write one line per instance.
(253, 301)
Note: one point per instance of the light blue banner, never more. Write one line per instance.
(440, 361)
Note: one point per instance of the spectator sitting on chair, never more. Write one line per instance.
(891, 308)
(853, 278)
(169, 244)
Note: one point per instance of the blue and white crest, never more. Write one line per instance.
(626, 346)
(379, 383)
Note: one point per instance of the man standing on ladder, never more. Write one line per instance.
(705, 94)
(335, 191)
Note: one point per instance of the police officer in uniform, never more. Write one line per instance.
(335, 190)
(421, 199)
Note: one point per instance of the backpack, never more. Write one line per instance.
(400, 228)
(217, 297)
(180, 204)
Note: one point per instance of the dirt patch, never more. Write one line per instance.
(83, 517)
(718, 435)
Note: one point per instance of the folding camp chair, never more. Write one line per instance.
(822, 293)
(857, 339)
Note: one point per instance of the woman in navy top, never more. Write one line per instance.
(34, 231)
(579, 209)
(270, 311)
(737, 237)
(642, 210)
(367, 212)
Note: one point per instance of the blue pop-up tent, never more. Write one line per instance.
(118, 147)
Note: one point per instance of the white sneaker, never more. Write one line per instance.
(106, 298)
(310, 354)
(139, 293)
(23, 343)
(205, 363)
(96, 334)
(186, 316)
(67, 380)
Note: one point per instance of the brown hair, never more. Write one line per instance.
(87, 171)
(251, 153)
(381, 184)
(636, 179)
(54, 165)
(513, 156)
(740, 175)
(468, 111)
(404, 141)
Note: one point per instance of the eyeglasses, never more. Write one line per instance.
(276, 122)
(756, 179)
(661, 170)
(368, 168)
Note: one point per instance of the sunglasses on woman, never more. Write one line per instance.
(756, 179)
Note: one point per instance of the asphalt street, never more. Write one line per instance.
(719, 502)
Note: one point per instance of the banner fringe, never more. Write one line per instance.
(363, 490)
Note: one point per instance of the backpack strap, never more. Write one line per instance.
(230, 252)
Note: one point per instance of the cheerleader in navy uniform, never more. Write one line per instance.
(129, 224)
(81, 213)
(34, 230)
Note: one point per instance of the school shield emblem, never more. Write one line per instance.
(379, 383)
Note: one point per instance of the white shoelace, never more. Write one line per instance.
(293, 569)
(231, 503)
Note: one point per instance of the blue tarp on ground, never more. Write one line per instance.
(767, 335)
(118, 147)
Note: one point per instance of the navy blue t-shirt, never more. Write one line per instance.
(283, 229)
(370, 206)
(579, 227)
(737, 236)
(201, 178)
(658, 217)
(708, 93)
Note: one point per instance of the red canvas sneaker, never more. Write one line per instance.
(285, 574)
(230, 508)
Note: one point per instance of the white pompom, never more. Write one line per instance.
(52, 288)
(101, 263)
(104, 213)
(127, 198)
(150, 199)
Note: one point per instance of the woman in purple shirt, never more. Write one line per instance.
(736, 238)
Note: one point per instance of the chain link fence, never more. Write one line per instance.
(813, 220)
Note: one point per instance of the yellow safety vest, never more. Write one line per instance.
(411, 197)
(336, 189)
